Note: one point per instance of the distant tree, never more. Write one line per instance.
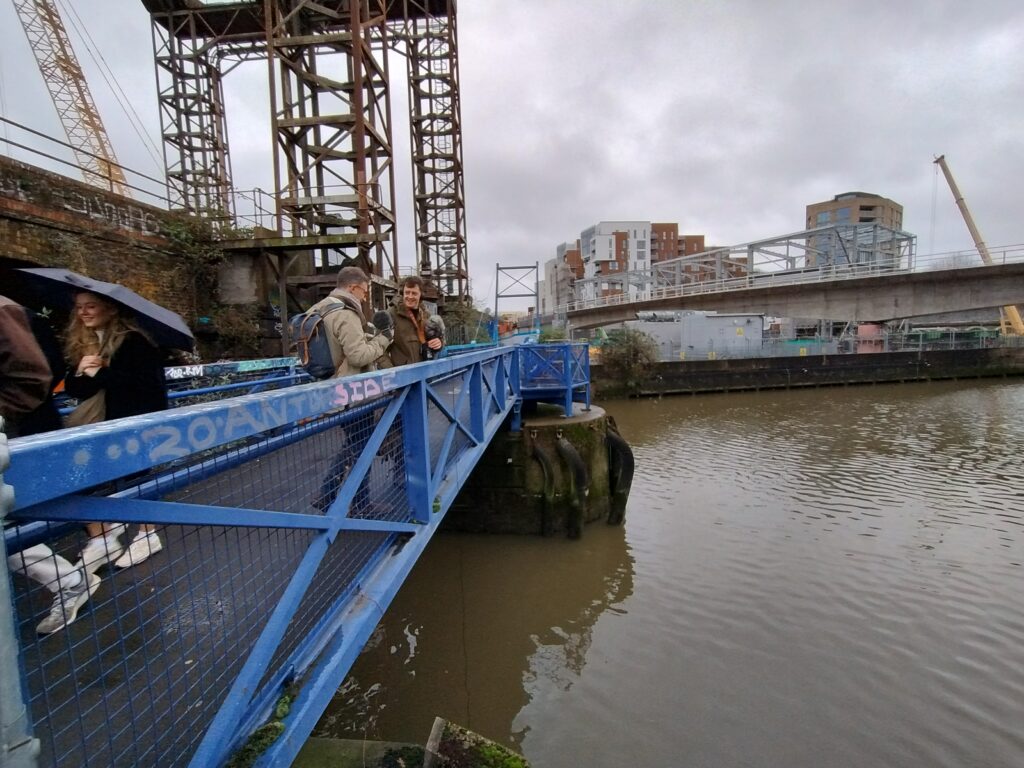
(630, 357)
(552, 334)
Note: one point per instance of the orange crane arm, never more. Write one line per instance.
(70, 93)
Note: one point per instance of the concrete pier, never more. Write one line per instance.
(550, 478)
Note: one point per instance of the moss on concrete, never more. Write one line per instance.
(506, 491)
(452, 746)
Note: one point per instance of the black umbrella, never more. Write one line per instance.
(166, 328)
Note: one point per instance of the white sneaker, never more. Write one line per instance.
(67, 602)
(143, 545)
(101, 550)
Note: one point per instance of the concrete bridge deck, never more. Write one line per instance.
(863, 294)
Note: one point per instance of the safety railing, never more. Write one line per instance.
(287, 521)
(188, 384)
(926, 340)
(200, 383)
(558, 373)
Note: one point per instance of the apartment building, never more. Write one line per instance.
(855, 208)
(610, 248)
(595, 265)
(854, 217)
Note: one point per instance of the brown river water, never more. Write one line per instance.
(821, 577)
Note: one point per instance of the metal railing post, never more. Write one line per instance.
(567, 378)
(18, 749)
(416, 439)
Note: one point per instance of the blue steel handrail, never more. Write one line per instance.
(556, 372)
(429, 423)
(185, 382)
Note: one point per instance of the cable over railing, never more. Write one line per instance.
(287, 521)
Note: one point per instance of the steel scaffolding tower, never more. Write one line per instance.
(192, 119)
(332, 123)
(436, 134)
(330, 112)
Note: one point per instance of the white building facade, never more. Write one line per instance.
(608, 249)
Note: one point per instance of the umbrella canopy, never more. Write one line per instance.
(166, 328)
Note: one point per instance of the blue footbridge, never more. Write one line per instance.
(290, 512)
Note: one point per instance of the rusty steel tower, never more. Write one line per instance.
(330, 113)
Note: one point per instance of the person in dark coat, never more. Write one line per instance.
(121, 370)
(410, 317)
(26, 378)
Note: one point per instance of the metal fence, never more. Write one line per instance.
(287, 519)
(911, 341)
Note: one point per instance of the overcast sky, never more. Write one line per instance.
(726, 117)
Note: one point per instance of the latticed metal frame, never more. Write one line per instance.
(192, 116)
(331, 119)
(71, 96)
(331, 113)
(436, 136)
(830, 246)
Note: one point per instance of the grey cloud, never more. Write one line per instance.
(728, 117)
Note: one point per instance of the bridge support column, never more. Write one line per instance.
(527, 483)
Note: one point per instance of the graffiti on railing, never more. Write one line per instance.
(179, 372)
(175, 439)
(183, 372)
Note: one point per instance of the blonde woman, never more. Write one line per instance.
(116, 371)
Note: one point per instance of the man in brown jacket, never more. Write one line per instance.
(25, 379)
(410, 319)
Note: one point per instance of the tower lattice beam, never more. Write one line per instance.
(70, 93)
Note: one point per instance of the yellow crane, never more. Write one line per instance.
(70, 93)
(1010, 320)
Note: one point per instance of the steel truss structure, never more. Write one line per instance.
(436, 135)
(825, 249)
(329, 93)
(71, 96)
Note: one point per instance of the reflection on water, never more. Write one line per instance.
(481, 624)
(806, 578)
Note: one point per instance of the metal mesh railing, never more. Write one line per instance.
(138, 676)
(557, 373)
(280, 517)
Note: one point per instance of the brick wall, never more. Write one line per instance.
(54, 221)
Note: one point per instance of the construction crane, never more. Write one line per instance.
(1010, 320)
(70, 93)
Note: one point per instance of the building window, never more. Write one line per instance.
(822, 218)
(843, 214)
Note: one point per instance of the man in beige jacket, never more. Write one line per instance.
(352, 349)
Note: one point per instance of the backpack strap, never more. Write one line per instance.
(333, 308)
